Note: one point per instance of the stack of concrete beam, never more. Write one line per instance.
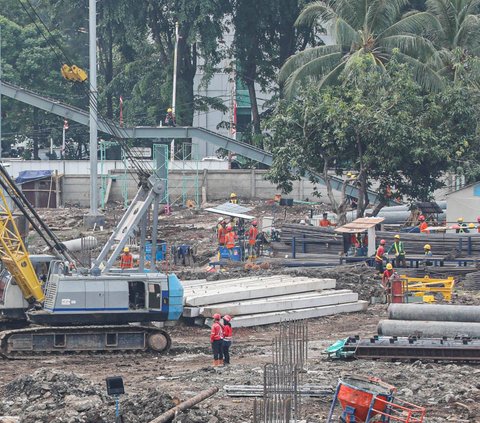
(431, 321)
(258, 301)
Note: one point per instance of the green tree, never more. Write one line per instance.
(359, 28)
(379, 124)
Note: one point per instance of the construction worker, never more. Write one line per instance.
(221, 231)
(325, 222)
(170, 118)
(461, 226)
(233, 198)
(387, 275)
(423, 225)
(427, 252)
(478, 226)
(227, 339)
(126, 259)
(379, 256)
(216, 339)
(230, 240)
(397, 248)
(252, 240)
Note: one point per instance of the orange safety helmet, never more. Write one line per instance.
(217, 316)
(227, 318)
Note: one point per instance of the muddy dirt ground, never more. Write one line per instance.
(450, 392)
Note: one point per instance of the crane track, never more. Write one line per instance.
(75, 340)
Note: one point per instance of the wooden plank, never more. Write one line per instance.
(239, 293)
(281, 303)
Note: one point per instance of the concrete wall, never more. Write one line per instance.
(248, 184)
(464, 203)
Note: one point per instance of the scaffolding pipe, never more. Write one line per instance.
(170, 414)
(436, 312)
(428, 329)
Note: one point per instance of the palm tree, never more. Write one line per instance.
(375, 28)
(459, 35)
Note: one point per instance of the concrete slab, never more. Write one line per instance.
(306, 313)
(235, 285)
(281, 303)
(266, 290)
(191, 311)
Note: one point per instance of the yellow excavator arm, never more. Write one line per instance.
(14, 255)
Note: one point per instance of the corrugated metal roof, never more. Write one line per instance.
(234, 210)
(361, 224)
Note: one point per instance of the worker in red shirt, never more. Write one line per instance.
(227, 339)
(325, 222)
(221, 231)
(379, 256)
(126, 259)
(252, 240)
(387, 275)
(216, 339)
(423, 225)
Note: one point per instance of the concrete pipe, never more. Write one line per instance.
(428, 329)
(436, 312)
(89, 243)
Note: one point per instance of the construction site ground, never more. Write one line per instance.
(450, 392)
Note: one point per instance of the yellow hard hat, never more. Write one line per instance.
(126, 250)
(471, 225)
(460, 219)
(169, 110)
(349, 174)
(397, 236)
(427, 247)
(389, 266)
(233, 195)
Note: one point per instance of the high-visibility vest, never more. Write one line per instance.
(126, 261)
(221, 232)
(252, 235)
(217, 332)
(230, 239)
(399, 248)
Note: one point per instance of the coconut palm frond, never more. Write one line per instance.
(382, 13)
(315, 12)
(411, 45)
(317, 67)
(332, 78)
(344, 34)
(352, 12)
(423, 74)
(445, 11)
(301, 58)
(469, 32)
(422, 23)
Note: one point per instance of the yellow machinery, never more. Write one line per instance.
(427, 287)
(73, 73)
(15, 257)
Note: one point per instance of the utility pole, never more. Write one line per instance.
(174, 93)
(94, 217)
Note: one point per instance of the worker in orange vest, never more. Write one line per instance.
(126, 259)
(216, 339)
(230, 239)
(252, 240)
(221, 231)
(379, 255)
(423, 225)
(325, 222)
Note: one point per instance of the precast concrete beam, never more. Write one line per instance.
(437, 312)
(281, 303)
(428, 329)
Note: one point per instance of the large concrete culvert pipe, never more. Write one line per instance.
(428, 329)
(436, 312)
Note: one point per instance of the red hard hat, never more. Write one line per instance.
(217, 316)
(382, 242)
(229, 228)
(254, 223)
(421, 217)
(227, 318)
(478, 219)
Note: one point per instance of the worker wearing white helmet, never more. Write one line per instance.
(221, 231)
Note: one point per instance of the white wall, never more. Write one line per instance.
(464, 204)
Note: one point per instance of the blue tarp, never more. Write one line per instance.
(32, 175)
